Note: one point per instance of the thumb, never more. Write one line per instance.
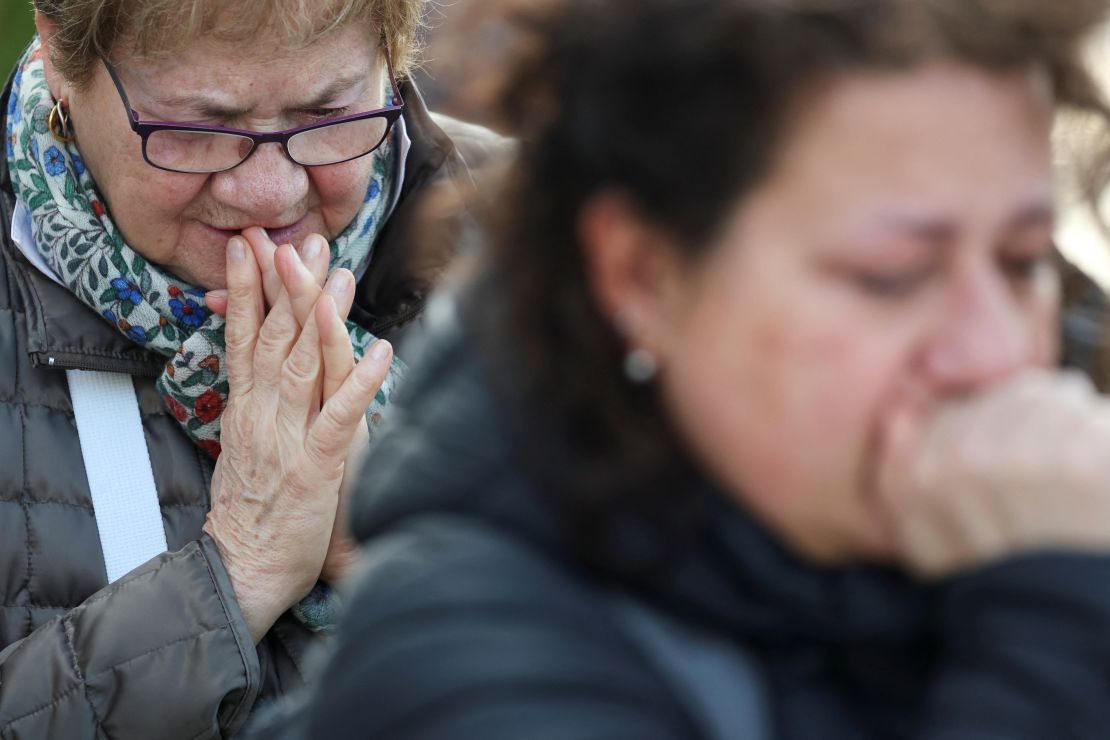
(216, 300)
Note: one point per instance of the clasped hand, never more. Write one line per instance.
(295, 419)
(1019, 468)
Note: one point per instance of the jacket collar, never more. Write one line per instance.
(393, 290)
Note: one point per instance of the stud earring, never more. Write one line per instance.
(640, 366)
(58, 122)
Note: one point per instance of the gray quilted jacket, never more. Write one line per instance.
(163, 652)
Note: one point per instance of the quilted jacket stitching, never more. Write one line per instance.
(89, 507)
(140, 578)
(147, 416)
(93, 676)
(151, 651)
(40, 607)
(54, 701)
(48, 502)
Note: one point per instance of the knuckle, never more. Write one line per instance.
(320, 454)
(300, 368)
(335, 418)
(237, 340)
(270, 339)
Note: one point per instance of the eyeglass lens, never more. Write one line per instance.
(212, 151)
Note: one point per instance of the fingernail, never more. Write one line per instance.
(264, 232)
(380, 350)
(311, 248)
(215, 295)
(237, 249)
(339, 283)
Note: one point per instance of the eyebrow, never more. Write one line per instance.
(939, 229)
(208, 107)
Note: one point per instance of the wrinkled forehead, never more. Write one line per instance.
(154, 29)
(221, 79)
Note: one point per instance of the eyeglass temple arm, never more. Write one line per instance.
(131, 114)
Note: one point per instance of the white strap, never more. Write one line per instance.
(117, 464)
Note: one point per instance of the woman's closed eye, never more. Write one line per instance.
(1023, 268)
(315, 115)
(1022, 263)
(892, 284)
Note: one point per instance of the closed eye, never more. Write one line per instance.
(1024, 268)
(894, 285)
(326, 114)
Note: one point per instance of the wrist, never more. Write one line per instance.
(259, 600)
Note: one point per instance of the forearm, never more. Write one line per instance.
(163, 652)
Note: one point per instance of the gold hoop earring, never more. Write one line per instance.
(58, 122)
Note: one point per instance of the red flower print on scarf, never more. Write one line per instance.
(209, 406)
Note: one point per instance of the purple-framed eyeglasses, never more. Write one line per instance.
(195, 149)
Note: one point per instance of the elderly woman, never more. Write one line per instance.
(157, 150)
(755, 427)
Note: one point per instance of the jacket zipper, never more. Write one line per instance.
(92, 364)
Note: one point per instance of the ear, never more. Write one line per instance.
(47, 29)
(634, 271)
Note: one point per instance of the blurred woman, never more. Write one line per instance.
(755, 425)
(157, 150)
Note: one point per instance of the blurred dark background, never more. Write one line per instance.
(16, 25)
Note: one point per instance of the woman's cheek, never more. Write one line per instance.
(341, 189)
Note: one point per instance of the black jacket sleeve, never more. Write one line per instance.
(1026, 653)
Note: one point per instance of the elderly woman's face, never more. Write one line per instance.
(900, 252)
(183, 221)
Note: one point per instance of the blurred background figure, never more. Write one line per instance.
(755, 422)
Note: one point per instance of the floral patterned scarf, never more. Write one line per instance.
(75, 234)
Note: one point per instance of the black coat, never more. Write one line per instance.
(475, 617)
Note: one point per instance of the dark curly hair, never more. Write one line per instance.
(681, 106)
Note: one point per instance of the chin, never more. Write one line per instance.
(205, 277)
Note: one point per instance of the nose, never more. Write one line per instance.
(984, 336)
(267, 188)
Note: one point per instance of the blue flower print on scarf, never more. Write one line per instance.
(368, 227)
(15, 113)
(188, 312)
(35, 149)
(55, 161)
(137, 334)
(78, 165)
(127, 291)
